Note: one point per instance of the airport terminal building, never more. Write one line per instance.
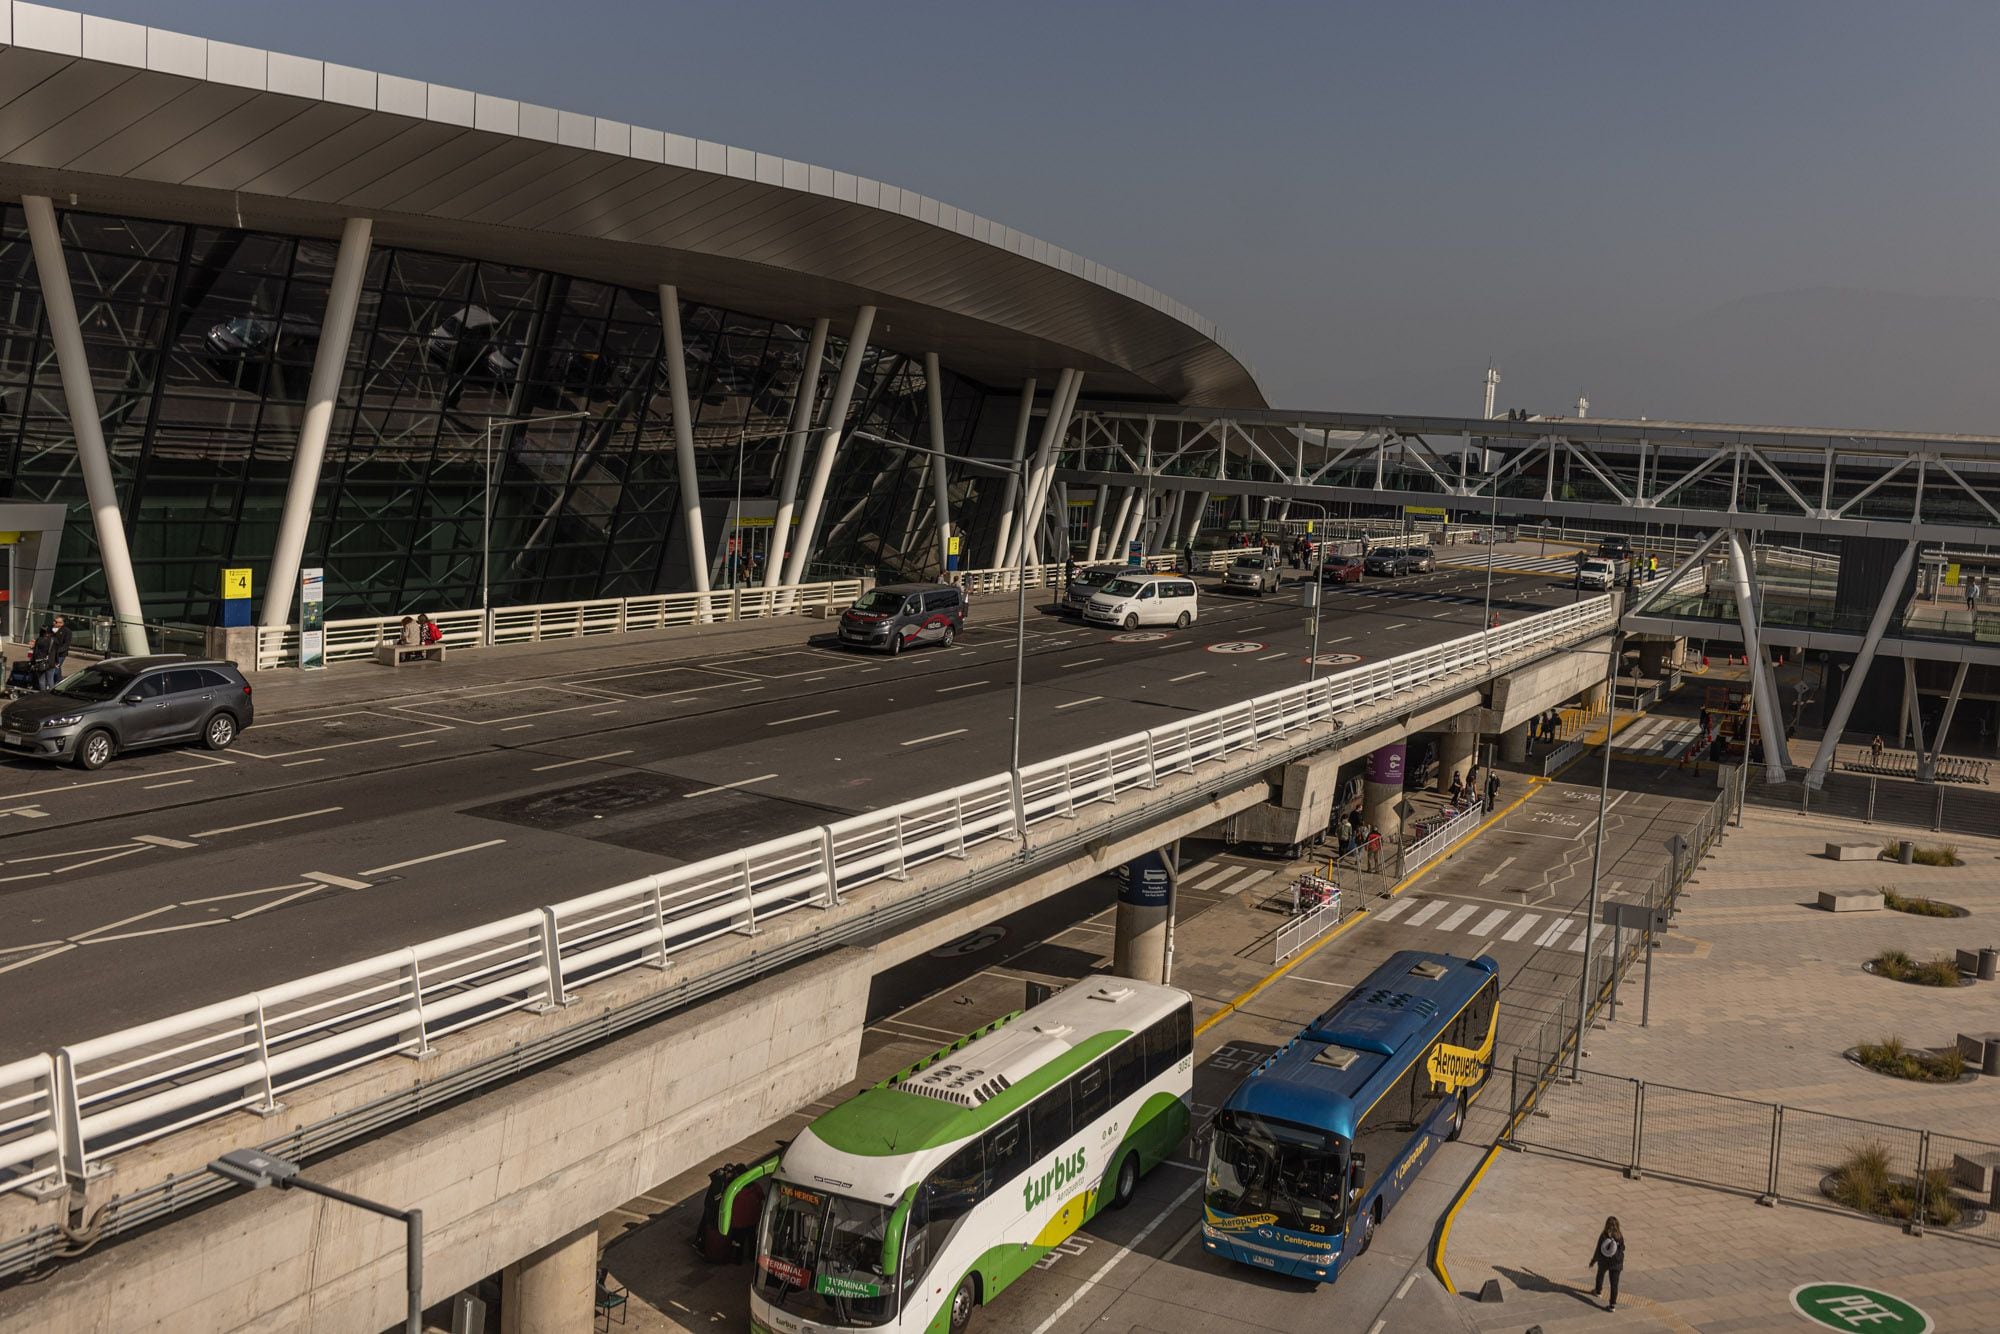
(267, 312)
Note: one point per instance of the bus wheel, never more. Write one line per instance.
(1368, 1228)
(1457, 1121)
(1128, 1182)
(962, 1302)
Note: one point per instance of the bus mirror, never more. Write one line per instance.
(1355, 1164)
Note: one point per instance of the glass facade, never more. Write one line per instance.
(201, 343)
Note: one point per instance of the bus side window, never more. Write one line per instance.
(959, 1184)
(1006, 1152)
(1161, 1049)
(1049, 1122)
(1184, 1030)
(1128, 1068)
(1092, 1093)
(917, 1242)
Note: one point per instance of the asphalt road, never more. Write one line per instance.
(176, 878)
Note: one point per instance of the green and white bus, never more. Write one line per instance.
(922, 1198)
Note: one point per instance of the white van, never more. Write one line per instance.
(1133, 600)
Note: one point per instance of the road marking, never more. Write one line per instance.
(337, 881)
(1396, 909)
(587, 759)
(1283, 653)
(946, 690)
(1438, 616)
(1248, 882)
(1214, 884)
(1248, 628)
(1175, 680)
(1425, 913)
(153, 787)
(1522, 927)
(1055, 1317)
(936, 736)
(608, 712)
(811, 679)
(1488, 922)
(408, 745)
(724, 787)
(1494, 874)
(517, 727)
(1549, 936)
(804, 717)
(1087, 699)
(1576, 942)
(160, 841)
(1318, 982)
(1451, 923)
(1404, 1291)
(293, 764)
(433, 857)
(1082, 662)
(1342, 640)
(1397, 626)
(259, 824)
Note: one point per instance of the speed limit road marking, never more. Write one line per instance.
(1236, 646)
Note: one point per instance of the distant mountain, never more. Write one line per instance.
(1811, 357)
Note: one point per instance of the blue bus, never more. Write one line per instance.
(1321, 1140)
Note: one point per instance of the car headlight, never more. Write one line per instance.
(66, 720)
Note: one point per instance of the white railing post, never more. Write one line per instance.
(269, 1105)
(1020, 806)
(1069, 791)
(69, 1121)
(902, 871)
(958, 822)
(1152, 763)
(659, 927)
(554, 997)
(413, 971)
(827, 864)
(749, 927)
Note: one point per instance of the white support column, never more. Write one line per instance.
(1116, 533)
(829, 442)
(1167, 532)
(1913, 707)
(1763, 689)
(795, 452)
(59, 303)
(1036, 498)
(940, 483)
(1022, 422)
(1097, 511)
(1190, 520)
(336, 330)
(1851, 691)
(690, 481)
(1927, 765)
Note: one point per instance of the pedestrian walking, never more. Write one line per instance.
(1875, 751)
(1971, 593)
(1492, 792)
(1187, 553)
(59, 648)
(1069, 576)
(41, 656)
(1609, 1259)
(1374, 844)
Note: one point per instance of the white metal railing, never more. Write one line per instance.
(356, 638)
(139, 1084)
(1432, 845)
(1304, 929)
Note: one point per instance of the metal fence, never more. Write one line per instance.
(1433, 838)
(1918, 1178)
(1872, 799)
(127, 1088)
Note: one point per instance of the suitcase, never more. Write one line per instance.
(20, 677)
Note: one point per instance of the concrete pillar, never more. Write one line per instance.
(1595, 699)
(1022, 421)
(1657, 656)
(1514, 744)
(829, 445)
(795, 452)
(940, 482)
(1455, 752)
(554, 1290)
(1382, 792)
(1145, 910)
(687, 477)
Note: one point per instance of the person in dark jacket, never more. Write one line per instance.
(1609, 1258)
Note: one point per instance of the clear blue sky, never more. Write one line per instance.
(1372, 200)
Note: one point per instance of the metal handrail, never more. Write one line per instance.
(138, 1084)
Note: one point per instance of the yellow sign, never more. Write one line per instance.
(235, 584)
(1951, 575)
(763, 521)
(1082, 504)
(1435, 511)
(9, 539)
(1309, 526)
(955, 541)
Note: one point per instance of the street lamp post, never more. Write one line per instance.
(1597, 850)
(257, 1169)
(486, 513)
(1313, 571)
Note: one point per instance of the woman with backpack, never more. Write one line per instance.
(1609, 1258)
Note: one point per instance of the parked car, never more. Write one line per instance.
(1597, 572)
(1251, 574)
(1387, 560)
(899, 616)
(1341, 570)
(1086, 582)
(1420, 560)
(1615, 548)
(1133, 600)
(122, 704)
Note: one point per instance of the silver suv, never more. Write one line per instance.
(1251, 574)
(129, 704)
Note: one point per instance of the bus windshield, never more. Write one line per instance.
(819, 1255)
(1293, 1173)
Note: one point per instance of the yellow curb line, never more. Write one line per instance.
(1360, 913)
(1451, 1215)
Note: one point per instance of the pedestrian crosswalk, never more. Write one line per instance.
(1225, 878)
(1658, 736)
(1514, 563)
(1543, 929)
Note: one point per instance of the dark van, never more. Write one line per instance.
(899, 616)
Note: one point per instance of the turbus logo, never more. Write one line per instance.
(1054, 1178)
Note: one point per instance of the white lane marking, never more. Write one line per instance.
(274, 903)
(1246, 629)
(811, 679)
(1056, 1317)
(608, 712)
(160, 841)
(1576, 941)
(1488, 922)
(517, 727)
(1397, 626)
(154, 787)
(1404, 1291)
(1082, 662)
(1342, 640)
(946, 690)
(1425, 913)
(1494, 874)
(1268, 656)
(259, 824)
(587, 759)
(435, 856)
(1174, 680)
(123, 921)
(685, 699)
(1451, 923)
(337, 881)
(78, 866)
(1396, 909)
(243, 894)
(1087, 699)
(1319, 982)
(935, 736)
(156, 931)
(1214, 884)
(1438, 616)
(412, 745)
(293, 764)
(1522, 927)
(37, 958)
(1548, 937)
(1248, 882)
(724, 787)
(804, 717)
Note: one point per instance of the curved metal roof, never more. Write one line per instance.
(138, 119)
